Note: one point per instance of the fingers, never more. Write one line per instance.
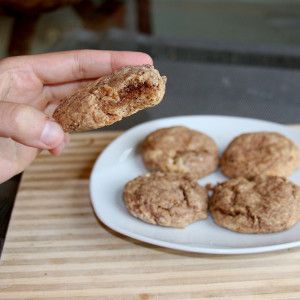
(30, 127)
(60, 67)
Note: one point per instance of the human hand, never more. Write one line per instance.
(30, 89)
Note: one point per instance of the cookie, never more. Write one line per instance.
(111, 98)
(166, 199)
(180, 150)
(262, 204)
(260, 153)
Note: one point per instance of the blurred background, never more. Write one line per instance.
(229, 57)
(36, 26)
(226, 57)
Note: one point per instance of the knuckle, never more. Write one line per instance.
(11, 116)
(79, 66)
(17, 114)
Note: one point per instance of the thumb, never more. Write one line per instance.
(30, 127)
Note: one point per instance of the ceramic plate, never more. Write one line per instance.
(120, 162)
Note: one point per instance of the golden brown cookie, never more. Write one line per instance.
(166, 199)
(111, 98)
(259, 205)
(180, 150)
(260, 153)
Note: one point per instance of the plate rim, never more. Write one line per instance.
(176, 246)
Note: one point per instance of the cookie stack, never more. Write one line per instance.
(257, 198)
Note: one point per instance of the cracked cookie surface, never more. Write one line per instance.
(166, 199)
(260, 153)
(180, 150)
(111, 98)
(262, 204)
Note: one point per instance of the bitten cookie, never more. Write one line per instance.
(166, 199)
(111, 98)
(259, 205)
(260, 153)
(180, 150)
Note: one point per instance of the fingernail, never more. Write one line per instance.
(51, 134)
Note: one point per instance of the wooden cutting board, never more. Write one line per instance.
(57, 249)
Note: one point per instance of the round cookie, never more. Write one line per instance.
(260, 153)
(262, 204)
(180, 150)
(166, 199)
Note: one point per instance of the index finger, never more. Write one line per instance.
(67, 66)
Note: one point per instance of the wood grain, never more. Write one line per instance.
(57, 249)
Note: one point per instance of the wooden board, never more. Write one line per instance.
(57, 249)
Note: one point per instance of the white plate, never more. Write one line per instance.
(120, 162)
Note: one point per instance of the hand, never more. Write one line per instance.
(30, 89)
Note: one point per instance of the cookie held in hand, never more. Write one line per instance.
(111, 98)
